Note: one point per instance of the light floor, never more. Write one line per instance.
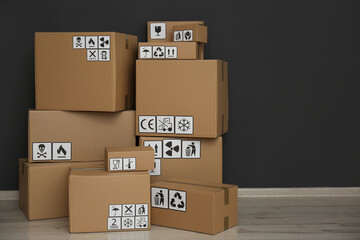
(259, 218)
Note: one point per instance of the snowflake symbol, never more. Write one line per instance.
(128, 222)
(184, 125)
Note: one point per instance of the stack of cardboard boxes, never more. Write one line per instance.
(82, 159)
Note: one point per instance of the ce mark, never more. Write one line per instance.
(147, 124)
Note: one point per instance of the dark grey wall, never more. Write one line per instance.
(294, 80)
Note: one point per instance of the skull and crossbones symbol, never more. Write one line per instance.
(41, 152)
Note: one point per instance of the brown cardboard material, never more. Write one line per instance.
(192, 95)
(200, 207)
(77, 136)
(119, 159)
(43, 187)
(170, 50)
(167, 35)
(70, 78)
(197, 33)
(204, 165)
(97, 198)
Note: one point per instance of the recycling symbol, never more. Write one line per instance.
(177, 201)
(159, 52)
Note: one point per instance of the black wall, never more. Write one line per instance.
(294, 80)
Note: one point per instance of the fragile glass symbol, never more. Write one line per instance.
(116, 164)
(157, 30)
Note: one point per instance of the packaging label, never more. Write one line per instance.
(157, 146)
(114, 223)
(128, 216)
(97, 47)
(157, 30)
(177, 200)
(157, 168)
(118, 164)
(92, 55)
(168, 198)
(159, 197)
(78, 42)
(42, 151)
(166, 124)
(147, 124)
(115, 164)
(128, 209)
(147, 52)
(158, 52)
(115, 210)
(51, 151)
(61, 151)
(185, 35)
(173, 148)
(184, 125)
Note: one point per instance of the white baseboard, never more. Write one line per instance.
(259, 192)
(300, 192)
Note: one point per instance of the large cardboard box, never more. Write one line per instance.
(170, 50)
(190, 33)
(63, 136)
(129, 159)
(196, 159)
(181, 98)
(85, 71)
(200, 207)
(101, 201)
(160, 31)
(43, 187)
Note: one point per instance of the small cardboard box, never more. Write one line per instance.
(199, 207)
(63, 136)
(160, 31)
(182, 98)
(129, 159)
(100, 201)
(196, 159)
(85, 71)
(43, 187)
(170, 50)
(190, 33)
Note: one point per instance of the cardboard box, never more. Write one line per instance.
(43, 187)
(200, 207)
(196, 159)
(101, 201)
(170, 50)
(181, 98)
(129, 159)
(85, 71)
(63, 136)
(162, 31)
(190, 33)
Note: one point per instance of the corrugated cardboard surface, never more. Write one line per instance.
(210, 208)
(65, 80)
(88, 132)
(199, 31)
(169, 29)
(197, 88)
(43, 187)
(144, 157)
(92, 191)
(207, 168)
(185, 50)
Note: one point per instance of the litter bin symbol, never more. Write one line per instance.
(157, 200)
(188, 151)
